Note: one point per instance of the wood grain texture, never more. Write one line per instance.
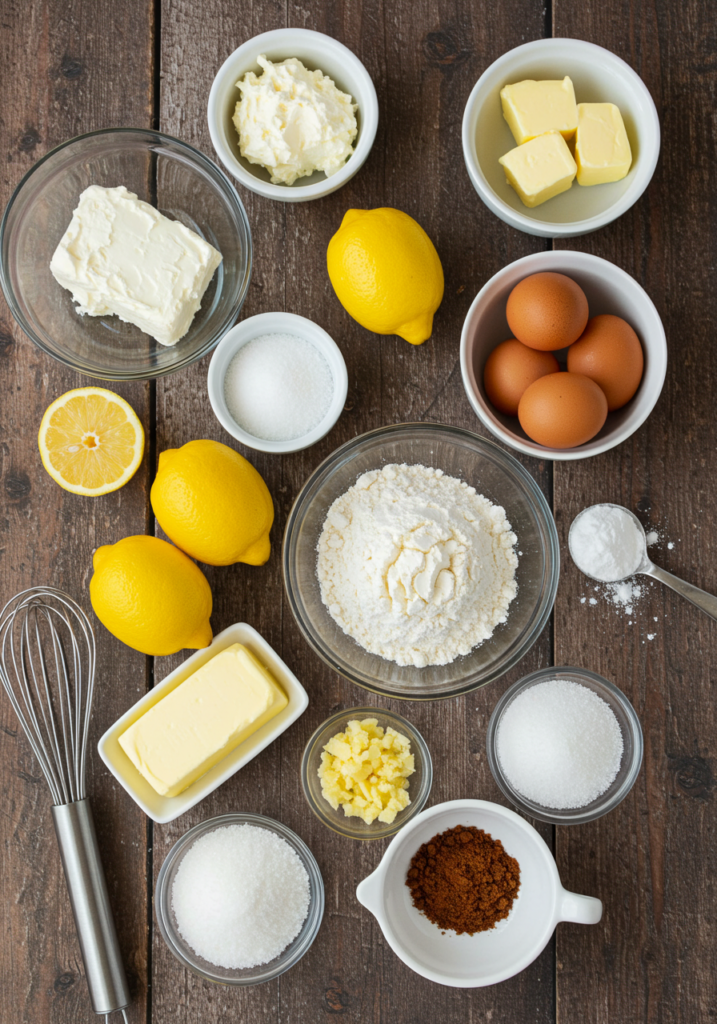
(653, 861)
(423, 60)
(62, 69)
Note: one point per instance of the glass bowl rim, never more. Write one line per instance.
(314, 915)
(383, 831)
(227, 187)
(510, 464)
(600, 806)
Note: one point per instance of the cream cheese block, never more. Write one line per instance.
(120, 256)
(204, 719)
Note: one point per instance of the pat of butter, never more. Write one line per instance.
(534, 108)
(540, 169)
(120, 256)
(204, 719)
(602, 148)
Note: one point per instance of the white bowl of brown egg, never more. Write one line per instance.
(563, 355)
(292, 114)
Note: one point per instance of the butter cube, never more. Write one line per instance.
(204, 719)
(602, 148)
(540, 169)
(534, 108)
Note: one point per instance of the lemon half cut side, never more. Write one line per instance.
(91, 441)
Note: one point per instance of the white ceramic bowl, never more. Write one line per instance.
(316, 51)
(276, 323)
(163, 808)
(598, 76)
(472, 961)
(609, 290)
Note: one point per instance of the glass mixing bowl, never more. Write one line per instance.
(493, 473)
(176, 178)
(419, 784)
(249, 975)
(631, 754)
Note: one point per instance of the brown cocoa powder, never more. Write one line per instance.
(463, 880)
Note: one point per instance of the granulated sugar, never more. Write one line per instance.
(606, 543)
(559, 744)
(240, 896)
(278, 387)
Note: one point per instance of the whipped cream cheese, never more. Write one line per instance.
(293, 121)
(121, 256)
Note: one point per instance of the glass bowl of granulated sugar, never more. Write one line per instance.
(239, 899)
(421, 561)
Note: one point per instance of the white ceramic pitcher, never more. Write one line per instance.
(470, 961)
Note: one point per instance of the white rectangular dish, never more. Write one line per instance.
(163, 809)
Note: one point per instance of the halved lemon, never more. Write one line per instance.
(91, 441)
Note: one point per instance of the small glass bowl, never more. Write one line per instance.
(419, 784)
(176, 178)
(495, 474)
(251, 975)
(631, 755)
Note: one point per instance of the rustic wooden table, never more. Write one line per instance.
(70, 66)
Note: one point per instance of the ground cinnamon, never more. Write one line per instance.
(463, 880)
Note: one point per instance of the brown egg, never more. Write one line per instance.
(547, 311)
(562, 410)
(610, 353)
(510, 369)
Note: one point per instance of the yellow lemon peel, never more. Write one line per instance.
(213, 504)
(386, 273)
(151, 596)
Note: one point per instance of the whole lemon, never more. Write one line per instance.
(213, 504)
(386, 273)
(151, 596)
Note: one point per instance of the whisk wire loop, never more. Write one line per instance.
(48, 640)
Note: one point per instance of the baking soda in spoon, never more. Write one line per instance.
(606, 543)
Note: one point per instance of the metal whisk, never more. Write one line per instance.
(47, 666)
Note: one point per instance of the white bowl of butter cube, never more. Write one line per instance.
(170, 749)
(560, 137)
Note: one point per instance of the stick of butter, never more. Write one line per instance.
(534, 108)
(602, 148)
(541, 169)
(204, 719)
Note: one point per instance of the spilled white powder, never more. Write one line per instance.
(559, 744)
(278, 387)
(240, 896)
(416, 566)
(605, 543)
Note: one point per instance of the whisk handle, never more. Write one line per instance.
(91, 906)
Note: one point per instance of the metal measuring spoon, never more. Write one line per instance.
(700, 598)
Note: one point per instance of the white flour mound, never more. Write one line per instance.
(416, 566)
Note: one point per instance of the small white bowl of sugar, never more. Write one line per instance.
(277, 382)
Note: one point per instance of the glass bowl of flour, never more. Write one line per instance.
(421, 561)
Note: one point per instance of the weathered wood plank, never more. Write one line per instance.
(67, 68)
(424, 60)
(653, 860)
